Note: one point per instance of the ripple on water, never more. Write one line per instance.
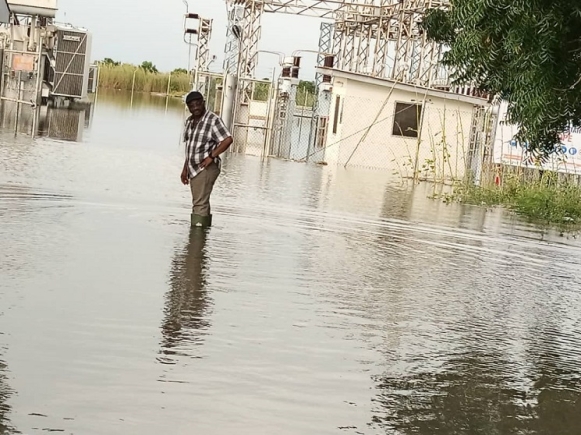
(322, 301)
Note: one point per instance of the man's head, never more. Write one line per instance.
(196, 104)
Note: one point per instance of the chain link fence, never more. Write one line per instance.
(293, 133)
(253, 117)
(424, 139)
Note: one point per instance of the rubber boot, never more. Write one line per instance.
(201, 221)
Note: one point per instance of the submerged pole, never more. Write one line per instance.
(18, 106)
(229, 98)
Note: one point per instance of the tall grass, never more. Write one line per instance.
(120, 77)
(547, 201)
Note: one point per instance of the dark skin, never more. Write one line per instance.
(198, 108)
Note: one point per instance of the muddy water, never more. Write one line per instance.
(322, 301)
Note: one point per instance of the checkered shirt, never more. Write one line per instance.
(201, 138)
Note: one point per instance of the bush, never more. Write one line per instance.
(546, 201)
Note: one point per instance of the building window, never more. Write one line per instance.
(406, 119)
(336, 117)
(322, 131)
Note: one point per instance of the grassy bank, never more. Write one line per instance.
(121, 77)
(547, 201)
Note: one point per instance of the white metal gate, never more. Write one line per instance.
(253, 118)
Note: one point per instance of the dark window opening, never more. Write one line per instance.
(406, 119)
(322, 131)
(336, 117)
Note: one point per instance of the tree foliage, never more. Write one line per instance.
(526, 52)
(149, 67)
(307, 86)
(110, 62)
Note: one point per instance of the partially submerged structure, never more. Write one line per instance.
(386, 124)
(41, 59)
(382, 98)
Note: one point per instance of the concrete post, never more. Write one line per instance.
(227, 111)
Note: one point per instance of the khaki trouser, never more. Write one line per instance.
(201, 186)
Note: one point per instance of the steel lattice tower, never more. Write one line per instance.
(381, 38)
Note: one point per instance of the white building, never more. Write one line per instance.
(384, 124)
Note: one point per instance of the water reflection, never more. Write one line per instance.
(477, 393)
(60, 123)
(187, 304)
(5, 392)
(349, 300)
(137, 100)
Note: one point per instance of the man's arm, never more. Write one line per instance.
(222, 146)
(184, 176)
(220, 134)
(185, 138)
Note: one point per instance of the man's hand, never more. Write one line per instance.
(207, 162)
(184, 176)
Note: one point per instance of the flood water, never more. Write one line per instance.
(322, 301)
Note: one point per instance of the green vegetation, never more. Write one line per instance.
(149, 67)
(525, 52)
(117, 75)
(546, 201)
(114, 75)
(261, 91)
(306, 93)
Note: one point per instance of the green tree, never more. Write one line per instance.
(110, 62)
(149, 67)
(307, 86)
(261, 91)
(180, 71)
(525, 52)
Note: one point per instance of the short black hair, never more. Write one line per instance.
(194, 96)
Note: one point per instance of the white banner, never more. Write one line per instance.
(508, 151)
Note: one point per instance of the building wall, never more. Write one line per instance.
(336, 124)
(440, 153)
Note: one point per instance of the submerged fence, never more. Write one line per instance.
(434, 142)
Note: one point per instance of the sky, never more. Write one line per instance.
(134, 31)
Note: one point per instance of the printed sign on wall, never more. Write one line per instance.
(23, 62)
(508, 151)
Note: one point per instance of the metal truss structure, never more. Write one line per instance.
(381, 38)
(204, 36)
(325, 46)
(243, 37)
(233, 41)
(203, 33)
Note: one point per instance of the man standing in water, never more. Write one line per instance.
(205, 138)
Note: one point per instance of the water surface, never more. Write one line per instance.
(323, 301)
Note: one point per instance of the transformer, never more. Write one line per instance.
(71, 62)
(41, 8)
